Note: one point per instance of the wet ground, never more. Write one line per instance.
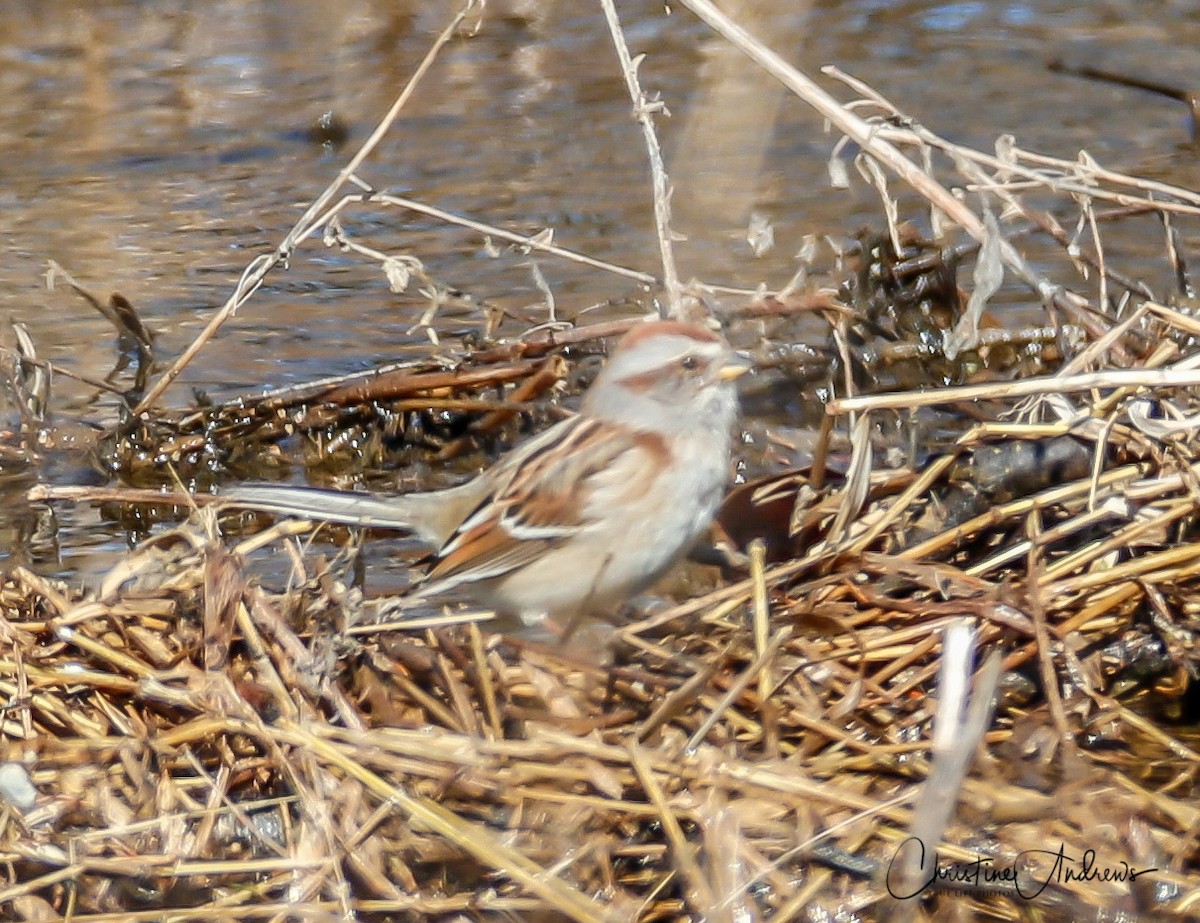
(155, 149)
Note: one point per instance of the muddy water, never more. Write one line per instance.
(155, 149)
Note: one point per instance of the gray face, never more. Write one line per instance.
(650, 381)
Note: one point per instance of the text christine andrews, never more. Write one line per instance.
(1026, 876)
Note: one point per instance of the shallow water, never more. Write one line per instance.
(155, 148)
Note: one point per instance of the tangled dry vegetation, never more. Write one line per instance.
(187, 741)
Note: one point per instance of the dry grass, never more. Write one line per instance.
(204, 744)
(184, 741)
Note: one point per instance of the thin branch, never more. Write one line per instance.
(1051, 384)
(643, 111)
(260, 267)
(521, 240)
(867, 136)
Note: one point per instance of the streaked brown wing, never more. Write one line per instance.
(536, 504)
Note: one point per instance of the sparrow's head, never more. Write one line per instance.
(668, 375)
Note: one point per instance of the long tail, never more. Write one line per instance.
(353, 509)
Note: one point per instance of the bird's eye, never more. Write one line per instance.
(689, 363)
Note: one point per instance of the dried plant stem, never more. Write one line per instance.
(262, 266)
(474, 839)
(521, 240)
(867, 136)
(1110, 378)
(644, 110)
(699, 894)
(959, 726)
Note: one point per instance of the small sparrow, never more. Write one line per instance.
(590, 512)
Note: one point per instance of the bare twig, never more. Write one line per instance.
(262, 265)
(1009, 390)
(643, 110)
(872, 140)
